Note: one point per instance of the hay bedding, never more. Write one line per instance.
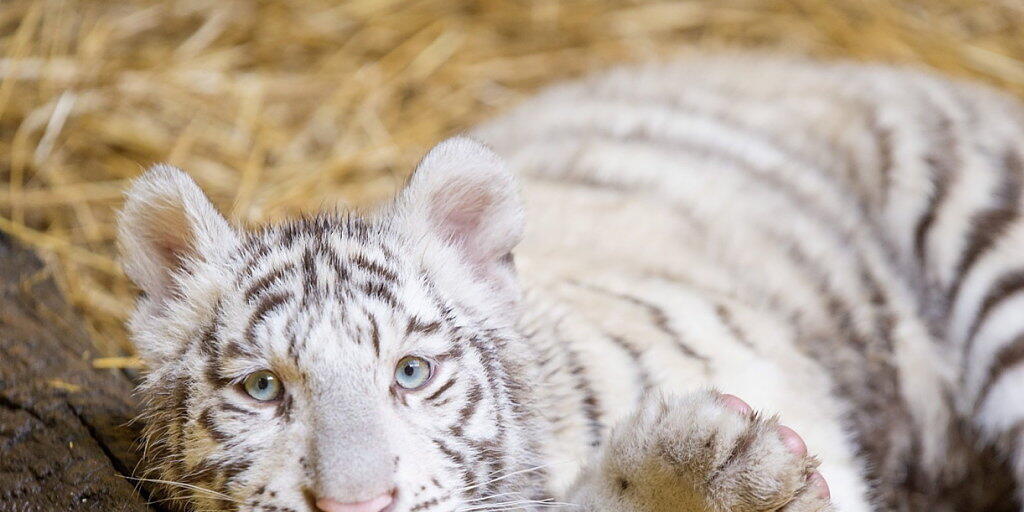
(281, 107)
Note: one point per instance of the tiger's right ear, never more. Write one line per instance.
(166, 223)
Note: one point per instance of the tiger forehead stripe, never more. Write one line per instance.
(267, 280)
(377, 269)
(267, 305)
(418, 326)
(269, 290)
(380, 291)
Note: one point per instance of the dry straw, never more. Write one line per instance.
(280, 107)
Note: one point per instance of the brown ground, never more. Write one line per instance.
(278, 107)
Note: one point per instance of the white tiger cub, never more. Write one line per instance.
(840, 244)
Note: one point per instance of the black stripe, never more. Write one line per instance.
(268, 304)
(180, 401)
(375, 335)
(256, 251)
(658, 315)
(374, 268)
(455, 352)
(310, 277)
(942, 160)
(214, 373)
(425, 505)
(289, 232)
(266, 281)
(235, 409)
(725, 316)
(296, 343)
(232, 470)
(440, 391)
(234, 349)
(837, 308)
(204, 471)
(1008, 357)
(420, 327)
(459, 461)
(489, 452)
(989, 225)
(590, 407)
(1007, 285)
(284, 408)
(380, 291)
(206, 422)
(207, 342)
(643, 377)
(327, 254)
(467, 411)
(883, 137)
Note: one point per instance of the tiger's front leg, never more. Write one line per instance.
(701, 452)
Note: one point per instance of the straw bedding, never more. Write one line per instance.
(280, 107)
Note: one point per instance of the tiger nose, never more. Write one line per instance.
(372, 505)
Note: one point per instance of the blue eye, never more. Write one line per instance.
(412, 372)
(263, 386)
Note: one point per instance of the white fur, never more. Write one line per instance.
(688, 227)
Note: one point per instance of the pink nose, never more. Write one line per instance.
(372, 505)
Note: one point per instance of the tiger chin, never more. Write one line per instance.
(361, 364)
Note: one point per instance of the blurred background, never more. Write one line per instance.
(282, 107)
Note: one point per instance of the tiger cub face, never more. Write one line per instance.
(340, 363)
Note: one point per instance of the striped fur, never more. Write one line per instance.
(841, 244)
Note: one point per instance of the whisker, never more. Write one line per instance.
(509, 475)
(184, 485)
(512, 505)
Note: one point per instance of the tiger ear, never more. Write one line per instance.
(167, 223)
(464, 194)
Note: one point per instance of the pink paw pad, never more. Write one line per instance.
(818, 482)
(792, 440)
(735, 403)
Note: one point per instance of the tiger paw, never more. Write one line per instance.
(703, 451)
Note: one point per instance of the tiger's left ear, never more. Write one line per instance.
(464, 194)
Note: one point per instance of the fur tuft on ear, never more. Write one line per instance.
(463, 193)
(165, 223)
